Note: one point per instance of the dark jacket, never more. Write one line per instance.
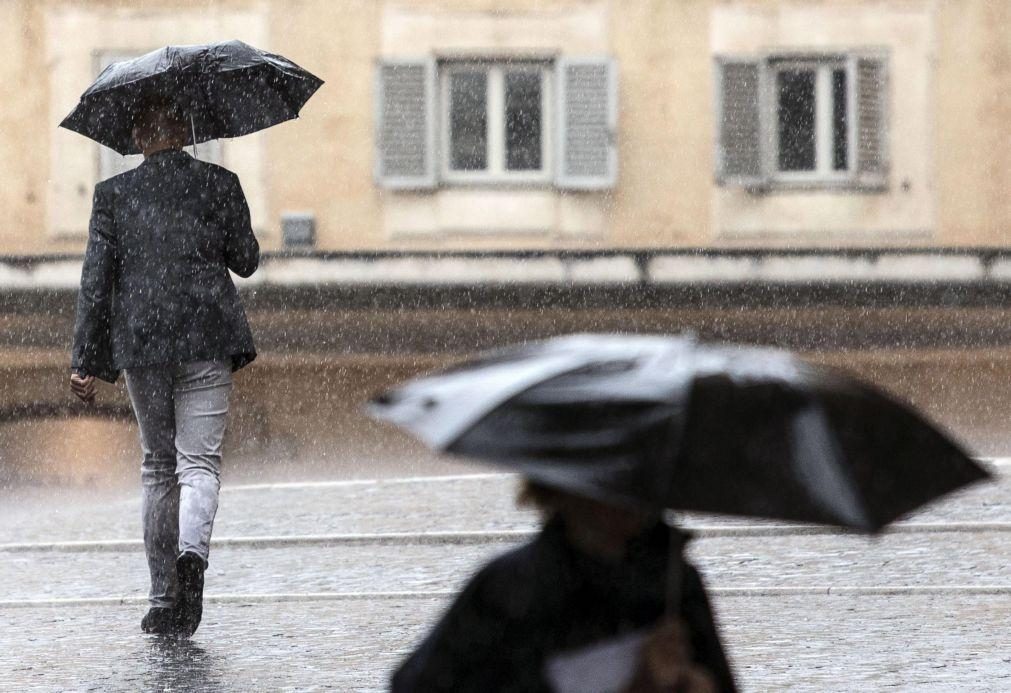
(548, 597)
(155, 287)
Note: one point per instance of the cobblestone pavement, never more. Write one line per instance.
(483, 502)
(829, 643)
(320, 637)
(782, 561)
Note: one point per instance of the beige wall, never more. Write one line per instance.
(973, 106)
(24, 130)
(951, 73)
(322, 163)
(665, 134)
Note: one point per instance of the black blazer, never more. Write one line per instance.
(155, 287)
(548, 597)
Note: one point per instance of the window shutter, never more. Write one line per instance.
(872, 120)
(405, 124)
(739, 155)
(587, 155)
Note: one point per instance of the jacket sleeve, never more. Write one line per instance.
(462, 653)
(242, 251)
(92, 350)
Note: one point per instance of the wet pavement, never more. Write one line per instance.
(732, 562)
(798, 643)
(314, 606)
(431, 504)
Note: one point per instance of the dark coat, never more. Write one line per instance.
(155, 287)
(548, 597)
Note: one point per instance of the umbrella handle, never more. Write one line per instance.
(675, 571)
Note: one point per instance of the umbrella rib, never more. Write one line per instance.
(813, 440)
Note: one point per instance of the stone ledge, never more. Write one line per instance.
(565, 268)
(566, 280)
(828, 268)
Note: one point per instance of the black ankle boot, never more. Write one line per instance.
(158, 620)
(190, 600)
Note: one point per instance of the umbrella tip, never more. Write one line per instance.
(384, 399)
(393, 397)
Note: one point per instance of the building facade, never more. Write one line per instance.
(557, 124)
(478, 172)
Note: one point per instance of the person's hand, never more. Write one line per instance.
(665, 663)
(83, 387)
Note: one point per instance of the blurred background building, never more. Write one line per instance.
(827, 175)
(519, 124)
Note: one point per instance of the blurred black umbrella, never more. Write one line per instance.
(225, 89)
(668, 422)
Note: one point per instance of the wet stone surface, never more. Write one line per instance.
(802, 642)
(480, 503)
(783, 561)
(828, 643)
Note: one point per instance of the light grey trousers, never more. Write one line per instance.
(181, 411)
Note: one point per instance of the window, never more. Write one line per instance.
(493, 122)
(802, 121)
(812, 119)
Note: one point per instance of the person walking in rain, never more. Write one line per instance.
(157, 302)
(595, 573)
(613, 431)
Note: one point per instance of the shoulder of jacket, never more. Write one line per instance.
(508, 575)
(111, 185)
(215, 169)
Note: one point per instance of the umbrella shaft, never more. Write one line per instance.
(193, 130)
(675, 570)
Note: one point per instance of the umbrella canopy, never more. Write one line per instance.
(669, 422)
(228, 89)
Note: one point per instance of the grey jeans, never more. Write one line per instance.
(181, 411)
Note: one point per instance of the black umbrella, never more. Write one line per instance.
(225, 89)
(668, 422)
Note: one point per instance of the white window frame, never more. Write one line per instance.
(823, 66)
(496, 172)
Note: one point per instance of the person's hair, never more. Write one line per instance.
(159, 120)
(544, 499)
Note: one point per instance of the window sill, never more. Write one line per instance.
(847, 186)
(491, 186)
(511, 182)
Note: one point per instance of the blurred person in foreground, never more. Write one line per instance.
(157, 302)
(594, 573)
